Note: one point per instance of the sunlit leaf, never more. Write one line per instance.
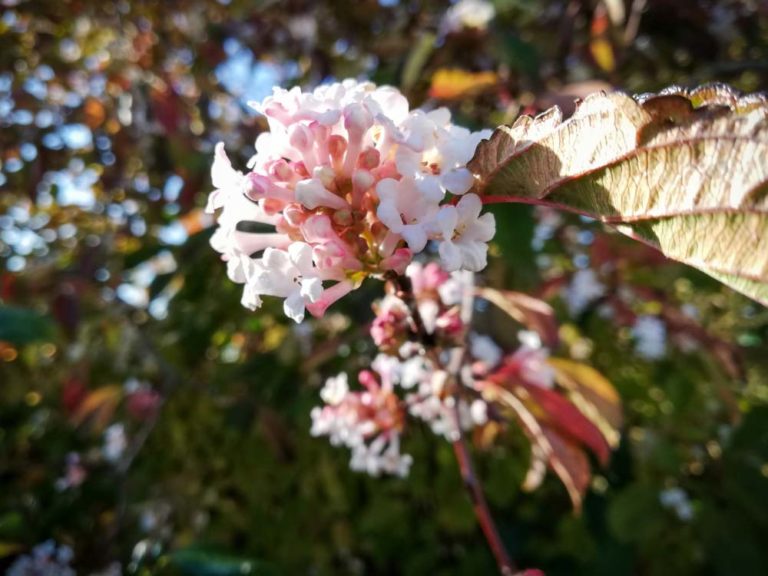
(593, 394)
(98, 406)
(454, 83)
(600, 42)
(685, 172)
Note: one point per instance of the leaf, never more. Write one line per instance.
(571, 465)
(98, 406)
(564, 457)
(22, 326)
(561, 415)
(593, 395)
(455, 83)
(684, 172)
(527, 310)
(600, 42)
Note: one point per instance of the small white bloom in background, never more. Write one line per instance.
(368, 422)
(46, 559)
(548, 220)
(650, 335)
(676, 499)
(414, 372)
(530, 339)
(335, 389)
(483, 348)
(349, 173)
(475, 14)
(531, 360)
(115, 443)
(584, 289)
(478, 411)
(74, 474)
(382, 456)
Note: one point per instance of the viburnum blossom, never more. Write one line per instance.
(407, 378)
(353, 184)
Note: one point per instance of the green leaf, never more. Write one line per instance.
(685, 172)
(22, 326)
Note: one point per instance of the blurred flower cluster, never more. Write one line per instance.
(434, 368)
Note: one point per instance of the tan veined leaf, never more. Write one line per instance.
(684, 171)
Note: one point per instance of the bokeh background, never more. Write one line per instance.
(150, 425)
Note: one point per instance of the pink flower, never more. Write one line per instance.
(348, 171)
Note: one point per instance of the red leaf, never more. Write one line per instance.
(571, 465)
(562, 455)
(566, 418)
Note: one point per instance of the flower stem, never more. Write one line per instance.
(402, 287)
(480, 506)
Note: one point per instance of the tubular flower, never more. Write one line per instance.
(354, 184)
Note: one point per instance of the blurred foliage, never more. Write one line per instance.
(115, 312)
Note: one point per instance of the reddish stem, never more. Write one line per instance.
(480, 506)
(401, 286)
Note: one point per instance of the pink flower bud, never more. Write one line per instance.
(312, 194)
(368, 379)
(369, 159)
(398, 261)
(337, 146)
(357, 119)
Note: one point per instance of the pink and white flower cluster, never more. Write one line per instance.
(351, 184)
(409, 376)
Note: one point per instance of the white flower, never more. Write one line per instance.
(381, 456)
(531, 359)
(407, 213)
(650, 337)
(530, 339)
(475, 14)
(291, 275)
(483, 348)
(228, 183)
(335, 389)
(677, 499)
(464, 234)
(584, 289)
(415, 371)
(46, 560)
(115, 443)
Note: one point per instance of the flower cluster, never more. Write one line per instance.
(351, 184)
(46, 559)
(410, 377)
(368, 422)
